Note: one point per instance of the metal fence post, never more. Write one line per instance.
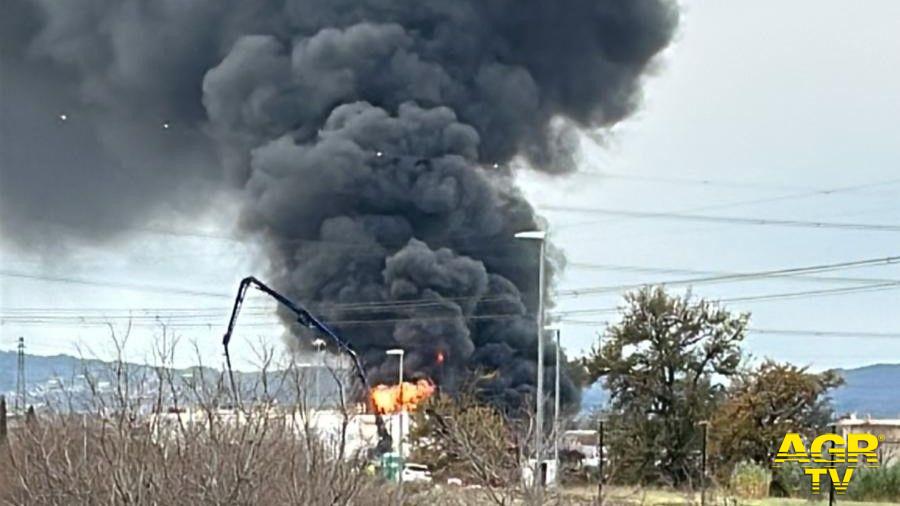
(704, 427)
(600, 463)
(832, 499)
(2, 419)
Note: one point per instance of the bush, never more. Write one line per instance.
(880, 484)
(750, 481)
(790, 481)
(152, 436)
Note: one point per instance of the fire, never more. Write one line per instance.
(386, 398)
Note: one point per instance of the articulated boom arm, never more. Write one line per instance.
(305, 318)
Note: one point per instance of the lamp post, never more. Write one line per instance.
(556, 330)
(540, 236)
(399, 352)
(319, 344)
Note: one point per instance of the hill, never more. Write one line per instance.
(64, 379)
(870, 390)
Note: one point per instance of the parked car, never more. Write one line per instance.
(416, 473)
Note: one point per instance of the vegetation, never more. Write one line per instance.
(460, 437)
(673, 363)
(750, 480)
(879, 484)
(138, 445)
(663, 365)
(762, 405)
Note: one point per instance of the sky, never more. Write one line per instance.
(760, 110)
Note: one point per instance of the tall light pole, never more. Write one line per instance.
(540, 236)
(399, 352)
(555, 329)
(319, 344)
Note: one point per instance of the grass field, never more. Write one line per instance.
(651, 497)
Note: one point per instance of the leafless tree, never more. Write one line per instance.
(154, 436)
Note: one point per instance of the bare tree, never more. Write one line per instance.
(149, 435)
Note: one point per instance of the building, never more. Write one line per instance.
(888, 428)
(583, 443)
(359, 429)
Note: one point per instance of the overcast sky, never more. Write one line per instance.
(759, 110)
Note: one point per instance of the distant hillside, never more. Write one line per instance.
(39, 369)
(60, 378)
(871, 390)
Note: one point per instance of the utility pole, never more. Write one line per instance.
(704, 427)
(20, 376)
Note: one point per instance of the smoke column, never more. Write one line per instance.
(370, 142)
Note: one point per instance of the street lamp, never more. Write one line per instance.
(319, 344)
(540, 236)
(556, 330)
(399, 352)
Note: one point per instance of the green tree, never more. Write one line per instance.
(762, 405)
(578, 373)
(663, 365)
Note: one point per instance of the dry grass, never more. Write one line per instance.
(125, 449)
(637, 496)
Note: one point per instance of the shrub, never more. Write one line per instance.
(790, 481)
(750, 480)
(151, 436)
(880, 484)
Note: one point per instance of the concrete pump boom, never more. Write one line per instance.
(306, 319)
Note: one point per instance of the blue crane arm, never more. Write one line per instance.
(306, 319)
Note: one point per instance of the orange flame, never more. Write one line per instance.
(386, 398)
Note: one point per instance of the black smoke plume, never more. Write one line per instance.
(370, 141)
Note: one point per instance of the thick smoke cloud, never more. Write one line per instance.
(369, 140)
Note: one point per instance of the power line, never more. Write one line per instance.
(826, 333)
(756, 298)
(369, 305)
(22, 314)
(561, 315)
(871, 227)
(783, 332)
(741, 276)
(384, 321)
(670, 270)
(111, 284)
(740, 203)
(687, 181)
(833, 291)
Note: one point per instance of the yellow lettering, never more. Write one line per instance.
(815, 476)
(863, 445)
(840, 484)
(792, 449)
(815, 449)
